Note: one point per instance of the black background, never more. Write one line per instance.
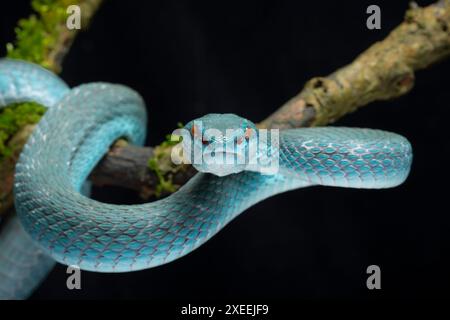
(191, 58)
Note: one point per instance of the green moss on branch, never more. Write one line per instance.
(37, 35)
(13, 119)
(42, 38)
(162, 165)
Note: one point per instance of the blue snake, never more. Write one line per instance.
(58, 222)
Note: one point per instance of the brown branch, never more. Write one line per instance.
(384, 71)
(66, 37)
(53, 60)
(7, 168)
(127, 166)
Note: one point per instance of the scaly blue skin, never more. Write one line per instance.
(80, 126)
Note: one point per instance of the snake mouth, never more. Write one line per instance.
(221, 170)
(222, 163)
(224, 158)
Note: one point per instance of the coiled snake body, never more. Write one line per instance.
(82, 123)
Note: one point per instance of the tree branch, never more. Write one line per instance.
(66, 37)
(44, 39)
(382, 72)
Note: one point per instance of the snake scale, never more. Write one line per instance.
(59, 223)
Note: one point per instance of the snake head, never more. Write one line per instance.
(220, 143)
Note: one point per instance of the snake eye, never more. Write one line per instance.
(248, 133)
(194, 130)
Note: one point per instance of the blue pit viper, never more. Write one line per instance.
(59, 223)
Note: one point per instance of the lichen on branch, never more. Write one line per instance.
(12, 119)
(382, 72)
(44, 39)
